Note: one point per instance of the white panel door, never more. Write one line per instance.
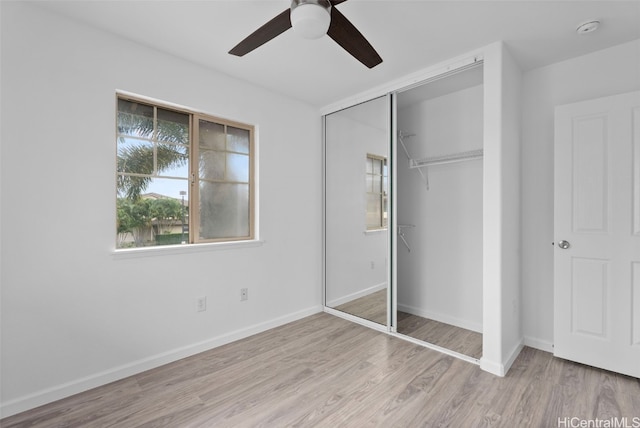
(597, 233)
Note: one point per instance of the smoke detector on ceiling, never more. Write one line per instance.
(588, 27)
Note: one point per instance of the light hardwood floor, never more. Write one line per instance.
(323, 371)
(373, 307)
(447, 336)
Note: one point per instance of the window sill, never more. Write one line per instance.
(375, 231)
(164, 250)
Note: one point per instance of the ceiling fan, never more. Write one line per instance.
(312, 19)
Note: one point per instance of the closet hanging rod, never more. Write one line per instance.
(440, 160)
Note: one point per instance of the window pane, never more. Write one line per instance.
(160, 216)
(167, 187)
(168, 210)
(212, 135)
(369, 165)
(136, 108)
(173, 160)
(224, 210)
(373, 211)
(212, 165)
(173, 126)
(135, 156)
(385, 220)
(377, 183)
(237, 140)
(135, 119)
(370, 183)
(376, 166)
(237, 167)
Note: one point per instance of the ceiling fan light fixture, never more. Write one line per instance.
(313, 19)
(310, 18)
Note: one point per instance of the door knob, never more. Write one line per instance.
(564, 244)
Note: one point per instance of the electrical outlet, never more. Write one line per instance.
(202, 304)
(244, 294)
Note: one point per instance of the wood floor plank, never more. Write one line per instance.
(447, 336)
(84, 410)
(373, 307)
(358, 397)
(629, 402)
(323, 371)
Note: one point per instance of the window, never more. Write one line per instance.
(182, 177)
(376, 179)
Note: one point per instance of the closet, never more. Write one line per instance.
(422, 207)
(439, 212)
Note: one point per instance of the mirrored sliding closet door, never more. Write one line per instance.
(356, 210)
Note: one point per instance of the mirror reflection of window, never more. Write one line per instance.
(376, 182)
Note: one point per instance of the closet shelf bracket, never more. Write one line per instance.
(402, 235)
(401, 137)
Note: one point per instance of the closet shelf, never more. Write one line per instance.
(439, 160)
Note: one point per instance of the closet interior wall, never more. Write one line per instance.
(440, 261)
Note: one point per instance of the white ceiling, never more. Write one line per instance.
(408, 35)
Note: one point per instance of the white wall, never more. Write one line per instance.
(441, 278)
(73, 314)
(607, 72)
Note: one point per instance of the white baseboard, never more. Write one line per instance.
(492, 367)
(358, 294)
(512, 357)
(447, 319)
(501, 369)
(58, 392)
(357, 320)
(540, 344)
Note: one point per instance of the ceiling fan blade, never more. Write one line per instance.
(262, 35)
(344, 33)
(335, 2)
